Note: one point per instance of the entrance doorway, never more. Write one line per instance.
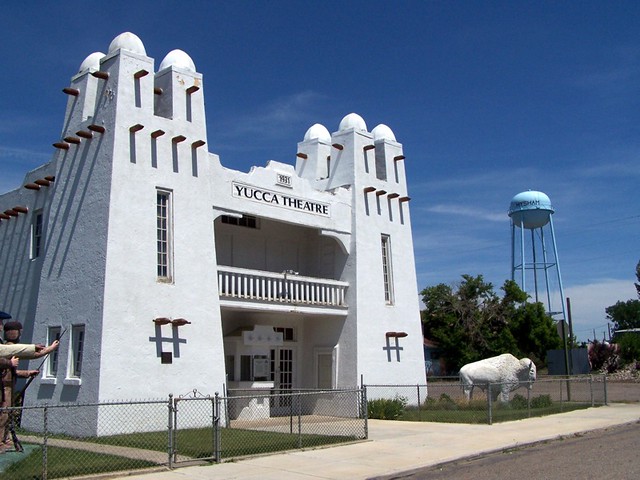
(282, 375)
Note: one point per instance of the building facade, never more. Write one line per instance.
(165, 271)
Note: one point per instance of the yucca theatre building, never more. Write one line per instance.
(170, 272)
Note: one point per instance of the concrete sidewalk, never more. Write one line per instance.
(395, 447)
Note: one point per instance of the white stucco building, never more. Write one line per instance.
(170, 272)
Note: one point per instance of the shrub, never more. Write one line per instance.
(445, 402)
(541, 401)
(519, 402)
(387, 409)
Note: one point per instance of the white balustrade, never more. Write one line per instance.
(243, 283)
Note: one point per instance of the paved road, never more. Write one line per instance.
(609, 453)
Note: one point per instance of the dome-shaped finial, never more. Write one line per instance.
(92, 62)
(319, 132)
(383, 132)
(178, 58)
(353, 120)
(127, 41)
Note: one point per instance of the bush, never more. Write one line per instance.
(445, 402)
(519, 402)
(541, 401)
(387, 409)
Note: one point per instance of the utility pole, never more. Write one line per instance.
(570, 335)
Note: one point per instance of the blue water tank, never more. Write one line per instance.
(530, 209)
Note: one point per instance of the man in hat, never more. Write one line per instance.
(8, 372)
(4, 362)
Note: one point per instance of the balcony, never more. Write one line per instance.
(245, 288)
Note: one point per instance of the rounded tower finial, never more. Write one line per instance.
(92, 62)
(530, 209)
(353, 120)
(383, 132)
(127, 41)
(178, 58)
(318, 131)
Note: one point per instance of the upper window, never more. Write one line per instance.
(51, 370)
(36, 234)
(164, 235)
(387, 271)
(248, 221)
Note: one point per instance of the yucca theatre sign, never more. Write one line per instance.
(278, 199)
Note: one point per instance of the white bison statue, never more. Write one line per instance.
(505, 372)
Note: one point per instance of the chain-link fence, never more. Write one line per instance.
(444, 400)
(59, 441)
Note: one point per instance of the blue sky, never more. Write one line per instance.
(488, 98)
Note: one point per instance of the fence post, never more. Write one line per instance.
(170, 430)
(45, 426)
(419, 406)
(529, 399)
(213, 424)
(365, 411)
(489, 402)
(216, 428)
(282, 396)
(299, 420)
(606, 400)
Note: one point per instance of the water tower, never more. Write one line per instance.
(530, 257)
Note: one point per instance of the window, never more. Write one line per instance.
(36, 234)
(287, 333)
(387, 276)
(164, 234)
(75, 354)
(51, 369)
(248, 221)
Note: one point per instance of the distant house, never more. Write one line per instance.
(618, 333)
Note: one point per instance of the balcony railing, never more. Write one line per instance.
(287, 287)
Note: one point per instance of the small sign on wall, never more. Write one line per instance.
(283, 180)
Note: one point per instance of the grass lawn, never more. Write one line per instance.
(194, 443)
(463, 414)
(66, 462)
(198, 442)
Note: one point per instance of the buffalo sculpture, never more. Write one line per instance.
(505, 373)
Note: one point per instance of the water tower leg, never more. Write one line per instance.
(524, 286)
(546, 269)
(535, 264)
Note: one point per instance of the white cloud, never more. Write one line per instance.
(589, 301)
(270, 120)
(466, 211)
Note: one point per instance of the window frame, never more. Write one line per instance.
(164, 235)
(37, 234)
(76, 354)
(387, 269)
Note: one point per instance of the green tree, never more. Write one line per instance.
(472, 322)
(626, 315)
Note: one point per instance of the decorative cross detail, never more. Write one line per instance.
(175, 340)
(389, 348)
